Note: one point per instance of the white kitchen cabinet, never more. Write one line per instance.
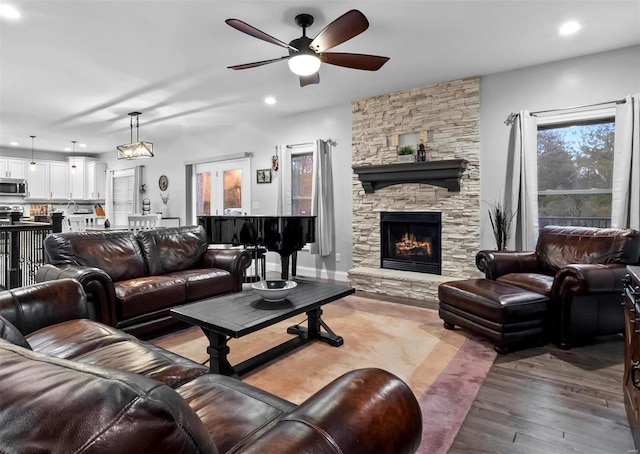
(77, 178)
(38, 181)
(59, 180)
(13, 168)
(96, 180)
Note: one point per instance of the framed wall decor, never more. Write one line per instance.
(163, 182)
(263, 175)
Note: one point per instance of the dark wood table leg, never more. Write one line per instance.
(314, 329)
(218, 351)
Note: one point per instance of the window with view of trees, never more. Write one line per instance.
(575, 166)
(301, 183)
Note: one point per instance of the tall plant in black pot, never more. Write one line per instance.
(501, 220)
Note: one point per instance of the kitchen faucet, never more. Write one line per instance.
(75, 206)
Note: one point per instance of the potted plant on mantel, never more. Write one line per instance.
(405, 154)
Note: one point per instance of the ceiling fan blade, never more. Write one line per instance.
(355, 61)
(350, 24)
(308, 80)
(255, 64)
(252, 31)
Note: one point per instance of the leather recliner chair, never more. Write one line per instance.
(580, 270)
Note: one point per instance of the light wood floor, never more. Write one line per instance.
(547, 400)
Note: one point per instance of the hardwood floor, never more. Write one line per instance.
(547, 400)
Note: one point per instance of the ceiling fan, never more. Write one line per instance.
(306, 54)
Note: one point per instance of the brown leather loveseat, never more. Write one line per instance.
(134, 279)
(580, 270)
(69, 384)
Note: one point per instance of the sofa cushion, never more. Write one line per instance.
(90, 342)
(202, 283)
(11, 334)
(173, 249)
(558, 247)
(534, 282)
(65, 406)
(253, 409)
(135, 297)
(117, 253)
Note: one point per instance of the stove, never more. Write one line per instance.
(6, 210)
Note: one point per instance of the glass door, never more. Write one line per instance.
(223, 188)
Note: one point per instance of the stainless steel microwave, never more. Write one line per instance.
(13, 186)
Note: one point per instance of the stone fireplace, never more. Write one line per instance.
(448, 115)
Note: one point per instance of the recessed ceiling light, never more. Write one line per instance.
(270, 100)
(14, 144)
(82, 145)
(569, 28)
(9, 12)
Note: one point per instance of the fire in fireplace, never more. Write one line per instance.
(411, 241)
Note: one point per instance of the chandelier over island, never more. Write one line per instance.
(137, 149)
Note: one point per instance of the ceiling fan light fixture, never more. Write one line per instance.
(304, 64)
(138, 149)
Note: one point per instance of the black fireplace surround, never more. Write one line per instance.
(411, 241)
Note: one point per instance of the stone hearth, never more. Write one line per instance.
(450, 114)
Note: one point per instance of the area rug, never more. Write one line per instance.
(443, 368)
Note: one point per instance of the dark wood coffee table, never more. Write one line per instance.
(238, 314)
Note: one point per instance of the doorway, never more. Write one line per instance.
(223, 187)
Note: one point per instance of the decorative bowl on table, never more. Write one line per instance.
(273, 291)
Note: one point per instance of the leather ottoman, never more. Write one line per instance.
(506, 315)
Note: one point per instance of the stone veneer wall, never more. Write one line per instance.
(450, 113)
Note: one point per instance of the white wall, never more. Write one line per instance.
(261, 139)
(590, 79)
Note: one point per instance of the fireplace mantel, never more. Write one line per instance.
(445, 173)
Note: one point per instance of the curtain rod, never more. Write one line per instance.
(512, 116)
(330, 141)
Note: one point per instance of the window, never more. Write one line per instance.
(123, 191)
(575, 166)
(301, 182)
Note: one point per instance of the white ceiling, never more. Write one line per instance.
(72, 70)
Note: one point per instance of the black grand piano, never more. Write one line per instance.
(285, 235)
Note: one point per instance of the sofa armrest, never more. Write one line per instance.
(497, 263)
(583, 279)
(235, 261)
(365, 410)
(35, 306)
(96, 283)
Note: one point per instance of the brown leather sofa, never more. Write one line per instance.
(580, 270)
(69, 384)
(133, 279)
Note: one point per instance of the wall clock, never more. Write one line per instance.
(163, 182)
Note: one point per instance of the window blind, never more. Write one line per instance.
(123, 195)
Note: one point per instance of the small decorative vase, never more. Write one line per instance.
(165, 210)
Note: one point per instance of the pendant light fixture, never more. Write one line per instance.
(32, 164)
(137, 149)
(73, 157)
